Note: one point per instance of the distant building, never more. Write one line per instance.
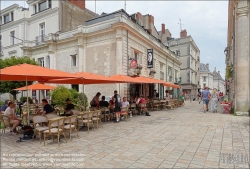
(206, 76)
(218, 81)
(237, 54)
(189, 53)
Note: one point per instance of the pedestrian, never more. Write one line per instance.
(214, 100)
(199, 97)
(117, 101)
(167, 95)
(220, 96)
(206, 95)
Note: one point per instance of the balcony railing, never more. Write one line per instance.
(40, 39)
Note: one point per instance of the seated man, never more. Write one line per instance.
(124, 103)
(10, 112)
(103, 103)
(47, 108)
(69, 106)
(5, 106)
(143, 100)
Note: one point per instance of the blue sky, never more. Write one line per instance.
(205, 21)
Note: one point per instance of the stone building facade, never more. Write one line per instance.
(189, 53)
(105, 45)
(237, 54)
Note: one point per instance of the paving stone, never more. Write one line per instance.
(182, 138)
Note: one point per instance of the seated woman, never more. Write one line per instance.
(95, 101)
(10, 112)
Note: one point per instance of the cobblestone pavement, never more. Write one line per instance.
(182, 138)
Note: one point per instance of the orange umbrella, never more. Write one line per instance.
(27, 72)
(36, 87)
(152, 80)
(86, 78)
(128, 79)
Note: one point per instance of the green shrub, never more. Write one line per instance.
(74, 95)
(232, 110)
(60, 94)
(2, 103)
(249, 112)
(83, 100)
(24, 99)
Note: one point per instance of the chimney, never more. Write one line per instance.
(151, 19)
(219, 72)
(139, 18)
(183, 33)
(163, 28)
(79, 3)
(207, 65)
(215, 69)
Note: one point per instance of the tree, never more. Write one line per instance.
(8, 86)
(60, 94)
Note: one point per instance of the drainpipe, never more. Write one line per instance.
(127, 67)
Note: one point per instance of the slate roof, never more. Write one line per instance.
(203, 68)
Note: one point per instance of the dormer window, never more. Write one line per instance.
(6, 18)
(42, 6)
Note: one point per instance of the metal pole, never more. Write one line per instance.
(27, 100)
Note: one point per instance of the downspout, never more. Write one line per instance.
(59, 16)
(128, 89)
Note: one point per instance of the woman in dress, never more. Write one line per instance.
(214, 101)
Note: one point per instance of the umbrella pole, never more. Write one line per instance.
(27, 101)
(83, 94)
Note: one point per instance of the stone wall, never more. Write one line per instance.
(73, 16)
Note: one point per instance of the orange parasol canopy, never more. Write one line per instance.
(85, 78)
(36, 87)
(128, 79)
(27, 72)
(152, 80)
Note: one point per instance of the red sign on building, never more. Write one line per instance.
(133, 64)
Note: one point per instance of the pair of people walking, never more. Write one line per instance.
(207, 96)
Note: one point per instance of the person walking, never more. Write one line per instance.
(199, 97)
(205, 95)
(214, 100)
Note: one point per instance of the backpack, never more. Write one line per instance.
(28, 132)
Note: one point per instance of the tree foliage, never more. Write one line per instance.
(8, 86)
(61, 93)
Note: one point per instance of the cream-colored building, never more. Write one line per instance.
(105, 45)
(189, 53)
(237, 54)
(206, 76)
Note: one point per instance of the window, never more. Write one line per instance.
(204, 78)
(161, 66)
(204, 85)
(12, 16)
(76, 87)
(12, 38)
(0, 42)
(178, 42)
(48, 62)
(73, 60)
(49, 3)
(175, 75)
(42, 31)
(178, 53)
(42, 6)
(6, 18)
(1, 22)
(41, 61)
(170, 73)
(34, 9)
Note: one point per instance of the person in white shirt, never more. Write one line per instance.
(124, 103)
(10, 112)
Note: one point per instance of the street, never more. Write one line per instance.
(181, 138)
